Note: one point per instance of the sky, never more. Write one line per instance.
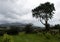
(21, 11)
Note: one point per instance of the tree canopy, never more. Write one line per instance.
(44, 12)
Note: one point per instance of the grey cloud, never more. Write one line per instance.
(14, 10)
(10, 9)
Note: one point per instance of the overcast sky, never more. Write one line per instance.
(20, 11)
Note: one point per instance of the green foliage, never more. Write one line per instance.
(1, 38)
(28, 28)
(22, 37)
(56, 26)
(13, 30)
(36, 38)
(48, 36)
(7, 38)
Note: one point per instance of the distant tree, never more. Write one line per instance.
(56, 26)
(2, 33)
(13, 30)
(28, 28)
(44, 12)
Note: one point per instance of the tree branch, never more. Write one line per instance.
(42, 22)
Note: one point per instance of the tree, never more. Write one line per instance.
(57, 26)
(28, 28)
(44, 12)
(13, 30)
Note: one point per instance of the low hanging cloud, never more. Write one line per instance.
(20, 11)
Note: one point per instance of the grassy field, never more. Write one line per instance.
(31, 38)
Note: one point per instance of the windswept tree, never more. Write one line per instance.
(44, 12)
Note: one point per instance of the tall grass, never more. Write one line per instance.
(22, 37)
(7, 38)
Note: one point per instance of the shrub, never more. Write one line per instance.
(7, 38)
(28, 28)
(2, 33)
(13, 31)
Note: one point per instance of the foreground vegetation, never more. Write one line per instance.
(22, 37)
(30, 34)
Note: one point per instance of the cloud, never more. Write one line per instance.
(20, 11)
(12, 9)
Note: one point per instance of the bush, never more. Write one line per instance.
(13, 31)
(48, 35)
(28, 28)
(7, 38)
(2, 33)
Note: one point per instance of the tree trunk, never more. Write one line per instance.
(46, 23)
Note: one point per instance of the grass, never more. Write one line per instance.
(22, 37)
(1, 38)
